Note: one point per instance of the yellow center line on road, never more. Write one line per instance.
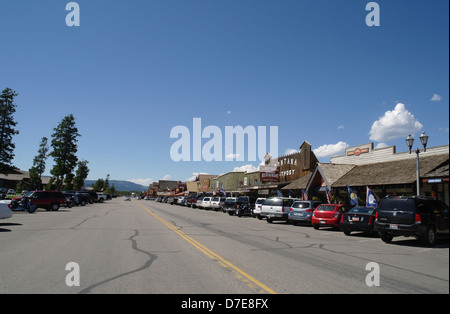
(239, 273)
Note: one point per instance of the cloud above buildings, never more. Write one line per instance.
(394, 124)
(329, 150)
(144, 182)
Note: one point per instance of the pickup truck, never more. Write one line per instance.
(101, 197)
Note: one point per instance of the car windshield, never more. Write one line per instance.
(242, 199)
(229, 201)
(361, 210)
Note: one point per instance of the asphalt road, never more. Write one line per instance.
(146, 247)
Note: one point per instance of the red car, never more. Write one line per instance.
(49, 200)
(327, 215)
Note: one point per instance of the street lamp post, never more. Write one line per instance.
(410, 142)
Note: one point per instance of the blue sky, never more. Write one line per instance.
(133, 70)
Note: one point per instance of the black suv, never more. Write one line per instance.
(418, 216)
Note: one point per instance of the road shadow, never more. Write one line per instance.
(441, 243)
(7, 224)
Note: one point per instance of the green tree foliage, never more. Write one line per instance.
(39, 165)
(99, 185)
(64, 144)
(80, 175)
(7, 129)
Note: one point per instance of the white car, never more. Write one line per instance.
(5, 212)
(206, 202)
(258, 208)
(217, 202)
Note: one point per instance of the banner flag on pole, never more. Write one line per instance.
(371, 198)
(328, 195)
(352, 196)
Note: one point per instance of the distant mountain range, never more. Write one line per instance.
(121, 185)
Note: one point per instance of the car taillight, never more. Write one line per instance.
(342, 218)
(418, 219)
(376, 216)
(370, 220)
(291, 209)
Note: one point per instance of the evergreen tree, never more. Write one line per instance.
(80, 175)
(65, 147)
(39, 165)
(7, 130)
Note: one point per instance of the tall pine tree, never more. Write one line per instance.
(64, 144)
(7, 129)
(39, 165)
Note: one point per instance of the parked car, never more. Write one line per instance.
(172, 200)
(422, 217)
(182, 201)
(229, 205)
(358, 219)
(302, 211)
(191, 201)
(217, 203)
(245, 205)
(101, 197)
(49, 200)
(206, 203)
(71, 199)
(83, 198)
(258, 207)
(327, 215)
(277, 208)
(199, 203)
(5, 212)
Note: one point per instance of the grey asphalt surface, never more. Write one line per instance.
(146, 247)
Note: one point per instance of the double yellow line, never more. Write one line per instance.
(239, 273)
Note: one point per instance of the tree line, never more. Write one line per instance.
(63, 149)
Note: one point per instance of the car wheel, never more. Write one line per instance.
(315, 226)
(429, 237)
(386, 237)
(347, 232)
(269, 220)
(55, 207)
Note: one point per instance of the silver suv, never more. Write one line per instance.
(302, 211)
(277, 208)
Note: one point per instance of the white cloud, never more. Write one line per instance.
(246, 168)
(381, 145)
(436, 97)
(394, 124)
(166, 177)
(329, 150)
(144, 182)
(194, 176)
(341, 127)
(290, 151)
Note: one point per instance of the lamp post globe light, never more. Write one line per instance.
(410, 142)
